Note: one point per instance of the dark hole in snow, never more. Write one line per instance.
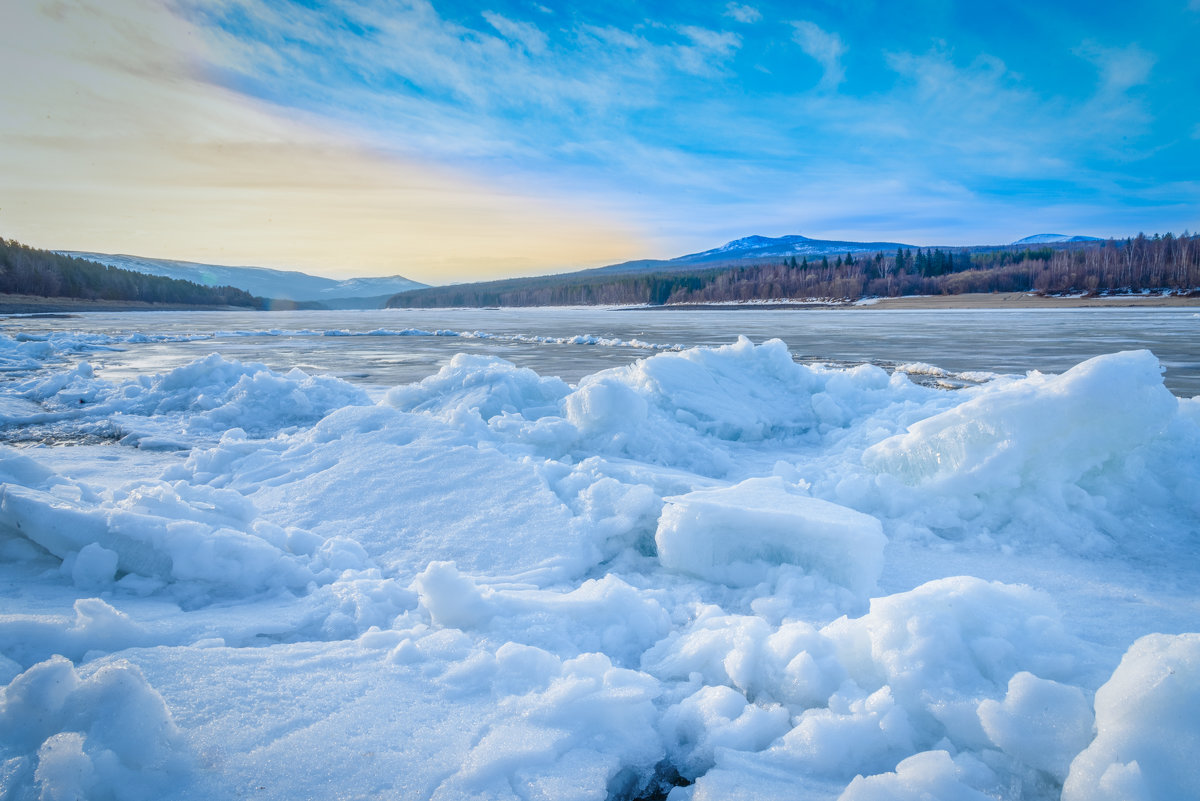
(627, 786)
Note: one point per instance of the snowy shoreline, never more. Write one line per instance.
(714, 573)
(28, 304)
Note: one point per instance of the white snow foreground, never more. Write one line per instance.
(713, 574)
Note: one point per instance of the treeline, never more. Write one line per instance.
(1135, 264)
(29, 271)
(573, 289)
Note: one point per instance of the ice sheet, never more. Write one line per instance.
(713, 573)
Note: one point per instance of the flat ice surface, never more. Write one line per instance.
(945, 342)
(363, 556)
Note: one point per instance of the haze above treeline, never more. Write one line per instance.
(792, 268)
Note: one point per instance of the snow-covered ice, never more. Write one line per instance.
(714, 573)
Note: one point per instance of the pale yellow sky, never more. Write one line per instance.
(110, 141)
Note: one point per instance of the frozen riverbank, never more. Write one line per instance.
(714, 572)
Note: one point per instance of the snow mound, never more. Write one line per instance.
(106, 735)
(411, 489)
(484, 385)
(1146, 733)
(586, 732)
(741, 392)
(944, 646)
(1045, 428)
(730, 534)
(95, 627)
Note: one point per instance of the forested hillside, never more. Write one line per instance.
(1135, 264)
(28, 271)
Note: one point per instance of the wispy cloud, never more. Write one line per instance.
(709, 50)
(1116, 105)
(827, 48)
(748, 14)
(409, 71)
(528, 36)
(1121, 68)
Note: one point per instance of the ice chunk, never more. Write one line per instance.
(855, 733)
(729, 534)
(174, 532)
(1040, 722)
(928, 776)
(718, 717)
(95, 566)
(452, 599)
(1146, 733)
(1048, 429)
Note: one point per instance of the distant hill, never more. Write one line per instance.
(755, 249)
(1053, 239)
(43, 273)
(782, 247)
(353, 293)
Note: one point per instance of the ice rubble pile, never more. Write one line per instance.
(663, 579)
(209, 395)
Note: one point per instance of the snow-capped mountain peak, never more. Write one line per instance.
(1046, 239)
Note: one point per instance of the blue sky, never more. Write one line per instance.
(668, 128)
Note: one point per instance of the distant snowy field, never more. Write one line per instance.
(332, 556)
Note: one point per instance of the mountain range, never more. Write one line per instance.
(352, 293)
(756, 248)
(372, 293)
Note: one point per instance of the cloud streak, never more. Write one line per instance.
(827, 48)
(748, 14)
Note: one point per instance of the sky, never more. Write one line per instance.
(453, 142)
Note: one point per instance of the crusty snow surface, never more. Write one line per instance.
(712, 574)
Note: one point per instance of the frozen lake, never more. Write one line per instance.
(880, 559)
(999, 341)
